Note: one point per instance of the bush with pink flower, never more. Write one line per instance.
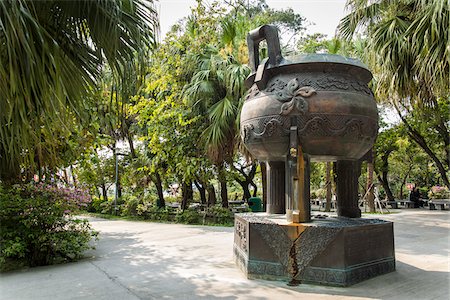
(439, 192)
(37, 225)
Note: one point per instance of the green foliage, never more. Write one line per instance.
(96, 205)
(37, 227)
(407, 49)
(50, 61)
(131, 204)
(188, 216)
(439, 192)
(220, 215)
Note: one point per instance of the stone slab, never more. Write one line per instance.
(333, 251)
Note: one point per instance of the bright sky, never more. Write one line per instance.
(325, 14)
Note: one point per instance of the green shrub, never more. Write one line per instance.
(107, 207)
(130, 206)
(95, 205)
(220, 215)
(37, 226)
(188, 216)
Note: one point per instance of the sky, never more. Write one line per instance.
(325, 14)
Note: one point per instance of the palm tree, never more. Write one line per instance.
(408, 49)
(51, 57)
(217, 89)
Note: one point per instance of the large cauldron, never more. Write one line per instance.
(325, 96)
(314, 106)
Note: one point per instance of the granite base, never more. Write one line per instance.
(332, 251)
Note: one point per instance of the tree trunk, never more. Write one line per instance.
(184, 196)
(370, 187)
(104, 192)
(224, 193)
(202, 191)
(255, 189)
(223, 186)
(387, 189)
(263, 168)
(212, 199)
(131, 144)
(383, 177)
(245, 189)
(73, 176)
(328, 186)
(161, 203)
(400, 196)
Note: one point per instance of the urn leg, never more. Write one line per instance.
(276, 187)
(347, 172)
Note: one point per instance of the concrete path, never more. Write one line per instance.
(140, 260)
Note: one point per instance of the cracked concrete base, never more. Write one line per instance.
(332, 251)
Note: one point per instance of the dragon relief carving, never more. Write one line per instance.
(360, 128)
(264, 127)
(269, 128)
(319, 125)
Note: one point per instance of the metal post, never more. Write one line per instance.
(297, 173)
(303, 174)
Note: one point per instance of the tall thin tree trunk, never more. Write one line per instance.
(187, 194)
(400, 196)
(328, 186)
(161, 203)
(223, 186)
(370, 187)
(386, 187)
(104, 192)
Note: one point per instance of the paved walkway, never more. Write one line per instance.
(140, 260)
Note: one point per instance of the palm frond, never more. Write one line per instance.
(51, 57)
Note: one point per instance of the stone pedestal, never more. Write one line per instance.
(333, 251)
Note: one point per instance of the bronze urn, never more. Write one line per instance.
(307, 107)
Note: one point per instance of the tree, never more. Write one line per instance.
(383, 148)
(244, 175)
(217, 86)
(51, 56)
(407, 47)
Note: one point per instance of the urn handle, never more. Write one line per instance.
(270, 34)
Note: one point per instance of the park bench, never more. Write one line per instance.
(392, 204)
(407, 203)
(324, 204)
(441, 203)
